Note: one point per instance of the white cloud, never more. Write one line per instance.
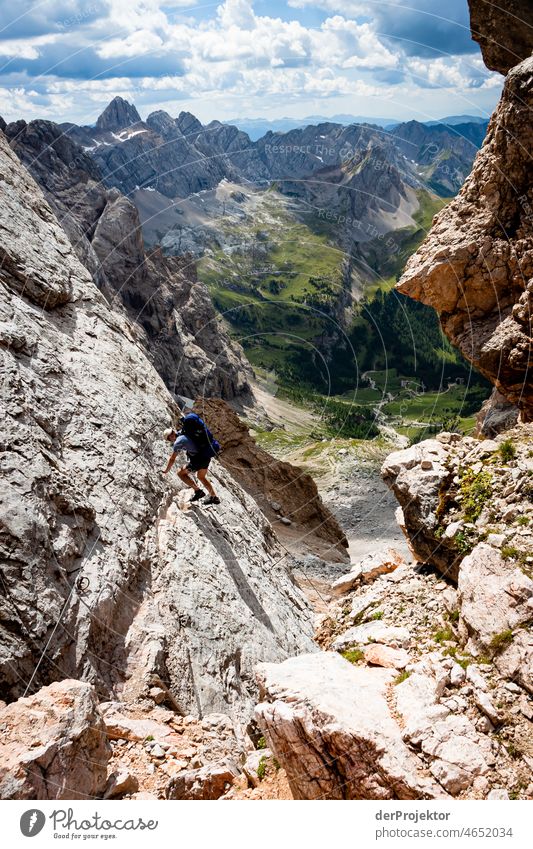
(347, 44)
(457, 73)
(135, 44)
(236, 13)
(230, 50)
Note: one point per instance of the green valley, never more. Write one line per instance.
(320, 318)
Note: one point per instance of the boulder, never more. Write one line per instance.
(329, 725)
(121, 782)
(486, 706)
(457, 754)
(208, 782)
(347, 582)
(418, 491)
(497, 414)
(367, 570)
(120, 727)
(252, 765)
(498, 794)
(372, 632)
(516, 661)
(493, 596)
(417, 698)
(54, 744)
(386, 656)
(453, 745)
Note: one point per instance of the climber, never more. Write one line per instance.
(195, 438)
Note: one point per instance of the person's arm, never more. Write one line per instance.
(178, 446)
(171, 461)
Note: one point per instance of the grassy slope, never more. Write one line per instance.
(389, 264)
(272, 325)
(275, 248)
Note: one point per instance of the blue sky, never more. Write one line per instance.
(65, 59)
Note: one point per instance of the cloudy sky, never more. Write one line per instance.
(65, 59)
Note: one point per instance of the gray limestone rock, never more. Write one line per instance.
(104, 561)
(329, 725)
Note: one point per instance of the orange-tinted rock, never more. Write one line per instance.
(476, 265)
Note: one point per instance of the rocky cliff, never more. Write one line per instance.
(172, 313)
(476, 265)
(403, 705)
(503, 31)
(108, 574)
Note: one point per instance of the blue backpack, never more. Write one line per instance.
(196, 429)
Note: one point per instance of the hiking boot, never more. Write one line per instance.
(213, 499)
(198, 493)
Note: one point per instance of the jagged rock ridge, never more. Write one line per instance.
(178, 157)
(172, 311)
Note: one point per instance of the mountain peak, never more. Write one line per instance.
(117, 115)
(162, 123)
(188, 123)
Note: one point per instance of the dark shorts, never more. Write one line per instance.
(198, 461)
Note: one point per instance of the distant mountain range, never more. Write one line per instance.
(320, 217)
(178, 157)
(257, 127)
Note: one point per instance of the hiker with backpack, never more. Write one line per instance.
(196, 439)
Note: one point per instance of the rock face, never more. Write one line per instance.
(470, 515)
(451, 489)
(71, 181)
(329, 725)
(172, 312)
(496, 604)
(456, 752)
(280, 488)
(503, 31)
(103, 563)
(476, 265)
(418, 489)
(444, 155)
(54, 745)
(496, 415)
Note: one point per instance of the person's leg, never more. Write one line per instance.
(186, 478)
(202, 477)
